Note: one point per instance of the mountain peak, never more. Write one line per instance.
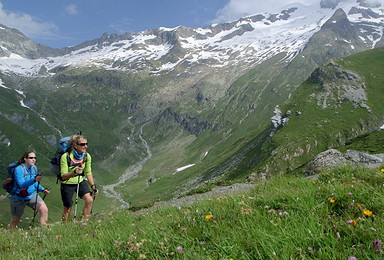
(331, 4)
(245, 42)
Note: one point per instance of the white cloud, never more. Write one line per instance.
(71, 9)
(236, 9)
(240, 8)
(375, 2)
(27, 24)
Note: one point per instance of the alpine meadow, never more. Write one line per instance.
(173, 114)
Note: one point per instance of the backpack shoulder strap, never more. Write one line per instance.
(68, 159)
(34, 168)
(25, 170)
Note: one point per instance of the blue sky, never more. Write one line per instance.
(70, 22)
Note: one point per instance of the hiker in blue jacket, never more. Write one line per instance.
(27, 182)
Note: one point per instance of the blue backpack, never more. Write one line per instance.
(63, 147)
(9, 183)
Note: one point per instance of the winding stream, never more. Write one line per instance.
(109, 190)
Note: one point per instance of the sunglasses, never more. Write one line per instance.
(83, 144)
(32, 157)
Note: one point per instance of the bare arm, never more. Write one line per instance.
(92, 183)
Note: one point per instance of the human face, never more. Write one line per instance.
(81, 146)
(30, 160)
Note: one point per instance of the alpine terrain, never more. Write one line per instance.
(170, 110)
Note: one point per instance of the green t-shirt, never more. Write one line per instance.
(65, 169)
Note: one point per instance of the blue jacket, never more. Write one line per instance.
(24, 178)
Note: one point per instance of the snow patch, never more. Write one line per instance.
(2, 85)
(184, 167)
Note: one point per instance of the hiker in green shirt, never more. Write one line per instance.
(74, 177)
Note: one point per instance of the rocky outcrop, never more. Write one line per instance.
(339, 86)
(193, 124)
(278, 120)
(4, 140)
(333, 158)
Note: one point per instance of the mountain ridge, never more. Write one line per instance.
(162, 49)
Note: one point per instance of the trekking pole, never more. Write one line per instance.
(77, 196)
(35, 213)
(34, 210)
(93, 202)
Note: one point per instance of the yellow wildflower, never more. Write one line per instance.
(313, 182)
(332, 201)
(382, 170)
(208, 217)
(367, 212)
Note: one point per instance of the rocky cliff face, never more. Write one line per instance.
(339, 86)
(14, 42)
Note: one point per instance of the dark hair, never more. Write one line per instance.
(25, 155)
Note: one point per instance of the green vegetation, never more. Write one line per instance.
(288, 217)
(322, 118)
(120, 113)
(370, 143)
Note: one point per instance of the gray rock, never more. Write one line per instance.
(329, 159)
(333, 158)
(363, 158)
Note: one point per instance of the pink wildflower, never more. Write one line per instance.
(377, 245)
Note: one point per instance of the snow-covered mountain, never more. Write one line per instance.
(243, 43)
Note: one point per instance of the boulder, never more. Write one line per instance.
(363, 159)
(329, 159)
(333, 158)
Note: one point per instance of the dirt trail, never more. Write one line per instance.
(189, 200)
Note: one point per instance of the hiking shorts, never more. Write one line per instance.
(17, 206)
(67, 191)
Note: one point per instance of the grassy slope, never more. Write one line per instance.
(285, 218)
(317, 128)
